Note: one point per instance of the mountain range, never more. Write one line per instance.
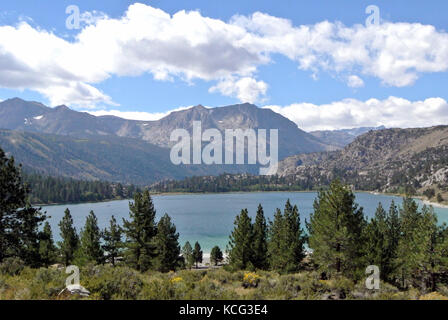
(62, 141)
(342, 137)
(389, 160)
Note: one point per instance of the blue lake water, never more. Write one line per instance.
(208, 218)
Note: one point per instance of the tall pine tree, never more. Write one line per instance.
(168, 249)
(197, 254)
(19, 222)
(187, 253)
(112, 241)
(47, 249)
(259, 244)
(140, 231)
(240, 243)
(91, 249)
(335, 232)
(70, 240)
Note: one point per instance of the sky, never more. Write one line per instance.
(323, 64)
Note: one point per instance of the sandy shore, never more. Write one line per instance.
(434, 204)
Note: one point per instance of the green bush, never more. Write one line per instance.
(107, 282)
(11, 266)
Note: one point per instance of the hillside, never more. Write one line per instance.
(383, 160)
(107, 158)
(341, 138)
(17, 114)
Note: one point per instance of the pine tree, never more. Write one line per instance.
(91, 240)
(216, 255)
(411, 245)
(70, 240)
(47, 249)
(260, 245)
(335, 232)
(140, 231)
(167, 244)
(240, 243)
(393, 237)
(187, 253)
(434, 262)
(197, 254)
(27, 232)
(112, 241)
(295, 239)
(277, 242)
(376, 234)
(19, 222)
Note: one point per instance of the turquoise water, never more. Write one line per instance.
(208, 218)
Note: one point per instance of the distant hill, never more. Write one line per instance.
(17, 114)
(382, 160)
(107, 158)
(341, 138)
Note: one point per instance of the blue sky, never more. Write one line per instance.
(251, 64)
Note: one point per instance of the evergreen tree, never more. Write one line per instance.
(47, 249)
(286, 245)
(168, 249)
(295, 239)
(27, 232)
(277, 242)
(140, 231)
(70, 241)
(91, 240)
(335, 232)
(197, 254)
(393, 236)
(19, 222)
(112, 241)
(216, 255)
(260, 245)
(411, 245)
(187, 253)
(240, 243)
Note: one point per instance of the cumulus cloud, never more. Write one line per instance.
(245, 89)
(349, 113)
(189, 46)
(354, 81)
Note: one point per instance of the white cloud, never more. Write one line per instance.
(349, 113)
(189, 46)
(245, 89)
(354, 81)
(135, 115)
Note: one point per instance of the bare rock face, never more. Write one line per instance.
(381, 160)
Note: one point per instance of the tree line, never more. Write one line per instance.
(406, 243)
(47, 190)
(232, 183)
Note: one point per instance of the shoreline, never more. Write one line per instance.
(163, 194)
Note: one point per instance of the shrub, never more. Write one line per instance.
(11, 266)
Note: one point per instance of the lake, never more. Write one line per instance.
(208, 218)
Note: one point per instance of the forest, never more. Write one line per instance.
(286, 258)
(50, 190)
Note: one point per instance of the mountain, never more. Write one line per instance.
(382, 160)
(63, 142)
(108, 158)
(343, 137)
(17, 114)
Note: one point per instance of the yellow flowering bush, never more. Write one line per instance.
(251, 280)
(176, 280)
